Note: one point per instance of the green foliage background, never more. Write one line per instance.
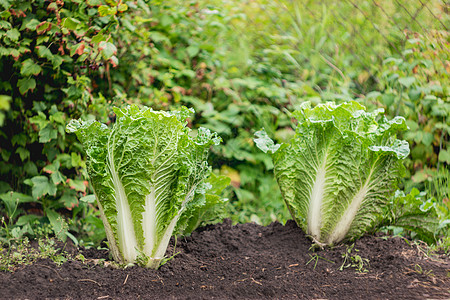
(242, 65)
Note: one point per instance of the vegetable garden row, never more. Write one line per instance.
(143, 121)
(151, 177)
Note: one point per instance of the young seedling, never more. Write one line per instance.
(316, 258)
(354, 261)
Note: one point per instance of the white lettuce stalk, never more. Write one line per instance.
(150, 178)
(339, 170)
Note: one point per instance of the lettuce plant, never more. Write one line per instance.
(150, 177)
(339, 170)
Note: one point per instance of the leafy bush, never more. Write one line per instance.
(415, 86)
(52, 55)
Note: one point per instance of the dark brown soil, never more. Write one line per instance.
(244, 262)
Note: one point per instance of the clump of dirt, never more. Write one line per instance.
(245, 261)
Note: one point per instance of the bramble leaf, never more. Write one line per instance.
(47, 133)
(42, 186)
(26, 84)
(29, 67)
(107, 49)
(13, 34)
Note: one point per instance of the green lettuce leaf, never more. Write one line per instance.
(414, 212)
(208, 207)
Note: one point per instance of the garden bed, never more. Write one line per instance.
(246, 261)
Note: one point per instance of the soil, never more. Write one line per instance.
(246, 261)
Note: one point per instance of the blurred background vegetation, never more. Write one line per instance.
(242, 65)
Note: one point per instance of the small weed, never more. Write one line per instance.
(418, 269)
(354, 261)
(167, 259)
(16, 254)
(80, 257)
(48, 249)
(316, 258)
(19, 253)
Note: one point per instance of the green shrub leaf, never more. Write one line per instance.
(26, 84)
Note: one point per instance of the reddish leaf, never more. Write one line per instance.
(80, 49)
(43, 27)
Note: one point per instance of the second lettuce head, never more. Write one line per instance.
(339, 169)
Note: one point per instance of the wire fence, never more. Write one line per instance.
(337, 35)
